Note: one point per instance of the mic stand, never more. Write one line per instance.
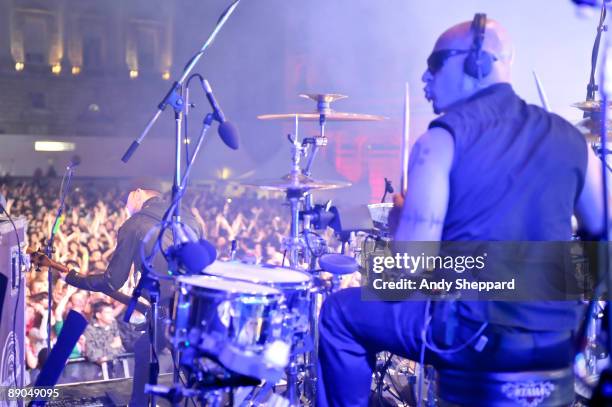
(172, 96)
(388, 190)
(601, 27)
(151, 284)
(49, 248)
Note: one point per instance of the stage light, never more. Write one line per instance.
(166, 75)
(76, 70)
(53, 146)
(56, 69)
(224, 173)
(19, 66)
(133, 73)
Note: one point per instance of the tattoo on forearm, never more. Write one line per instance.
(417, 155)
(414, 218)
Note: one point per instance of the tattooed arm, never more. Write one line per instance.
(426, 200)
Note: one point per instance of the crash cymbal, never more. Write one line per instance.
(331, 116)
(590, 105)
(296, 182)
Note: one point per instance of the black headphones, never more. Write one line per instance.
(478, 63)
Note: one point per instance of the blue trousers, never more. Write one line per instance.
(352, 331)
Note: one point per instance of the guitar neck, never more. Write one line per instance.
(115, 295)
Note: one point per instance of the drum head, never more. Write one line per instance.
(271, 276)
(212, 283)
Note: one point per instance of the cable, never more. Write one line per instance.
(425, 343)
(431, 346)
(306, 232)
(592, 87)
(20, 264)
(182, 381)
(186, 132)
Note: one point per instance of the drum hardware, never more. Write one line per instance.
(296, 287)
(261, 322)
(237, 323)
(210, 391)
(173, 98)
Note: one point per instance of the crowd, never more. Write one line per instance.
(87, 237)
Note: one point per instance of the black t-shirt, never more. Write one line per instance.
(516, 176)
(129, 239)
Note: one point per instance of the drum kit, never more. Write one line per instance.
(246, 335)
(255, 326)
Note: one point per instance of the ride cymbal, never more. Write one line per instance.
(296, 182)
(331, 116)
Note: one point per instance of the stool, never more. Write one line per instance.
(548, 388)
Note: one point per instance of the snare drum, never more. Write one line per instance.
(235, 321)
(294, 284)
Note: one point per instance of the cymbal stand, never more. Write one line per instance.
(293, 243)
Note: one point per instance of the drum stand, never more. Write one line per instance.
(300, 252)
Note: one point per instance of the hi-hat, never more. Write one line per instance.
(331, 116)
(590, 105)
(296, 182)
(590, 125)
(591, 130)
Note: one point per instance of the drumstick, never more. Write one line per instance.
(541, 92)
(406, 140)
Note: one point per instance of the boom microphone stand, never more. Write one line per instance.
(64, 188)
(180, 235)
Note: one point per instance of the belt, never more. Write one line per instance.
(502, 338)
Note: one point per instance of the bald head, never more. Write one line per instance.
(447, 83)
(496, 41)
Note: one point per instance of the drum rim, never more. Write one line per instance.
(272, 292)
(284, 285)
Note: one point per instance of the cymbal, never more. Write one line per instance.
(591, 128)
(590, 105)
(323, 99)
(296, 182)
(331, 116)
(590, 125)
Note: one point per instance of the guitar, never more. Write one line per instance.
(39, 259)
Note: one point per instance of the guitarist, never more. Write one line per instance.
(145, 206)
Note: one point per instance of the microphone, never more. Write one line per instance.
(191, 253)
(388, 186)
(74, 162)
(227, 131)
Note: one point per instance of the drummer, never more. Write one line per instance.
(476, 174)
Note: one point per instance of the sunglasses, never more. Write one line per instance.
(436, 60)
